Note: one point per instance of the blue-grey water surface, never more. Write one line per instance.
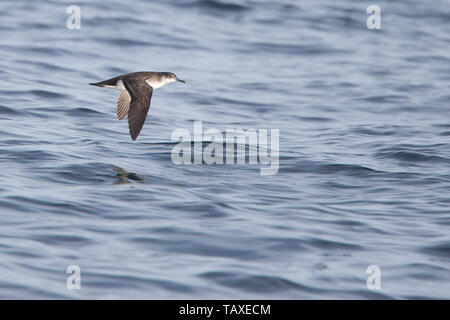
(364, 174)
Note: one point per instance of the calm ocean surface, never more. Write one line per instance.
(364, 175)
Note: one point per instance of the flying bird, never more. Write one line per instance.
(136, 93)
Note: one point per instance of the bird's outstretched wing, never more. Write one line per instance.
(123, 104)
(141, 94)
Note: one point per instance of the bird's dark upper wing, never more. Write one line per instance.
(140, 93)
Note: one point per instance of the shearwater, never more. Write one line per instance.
(136, 93)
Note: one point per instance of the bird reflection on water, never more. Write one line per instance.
(124, 177)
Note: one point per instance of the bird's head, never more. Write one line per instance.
(171, 77)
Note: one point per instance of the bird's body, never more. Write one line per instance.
(136, 92)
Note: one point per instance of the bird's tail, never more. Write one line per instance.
(107, 83)
(98, 84)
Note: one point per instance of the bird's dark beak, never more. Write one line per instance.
(182, 81)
